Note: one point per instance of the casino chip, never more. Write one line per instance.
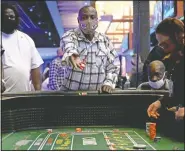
(82, 65)
(112, 148)
(139, 146)
(63, 135)
(82, 93)
(49, 131)
(116, 130)
(78, 129)
(156, 139)
(111, 144)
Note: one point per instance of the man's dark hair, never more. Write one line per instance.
(5, 6)
(84, 7)
(170, 27)
(159, 63)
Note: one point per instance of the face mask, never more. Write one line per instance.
(9, 26)
(157, 84)
(88, 27)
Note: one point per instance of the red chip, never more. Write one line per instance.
(84, 93)
(82, 65)
(116, 130)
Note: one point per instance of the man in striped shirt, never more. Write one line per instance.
(90, 54)
(57, 72)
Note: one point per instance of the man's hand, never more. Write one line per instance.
(106, 89)
(153, 108)
(76, 62)
(179, 115)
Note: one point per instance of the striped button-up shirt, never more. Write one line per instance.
(57, 73)
(99, 54)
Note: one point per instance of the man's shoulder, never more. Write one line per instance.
(167, 81)
(72, 32)
(56, 61)
(144, 86)
(25, 35)
(102, 36)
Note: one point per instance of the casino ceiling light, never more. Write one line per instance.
(49, 33)
(31, 8)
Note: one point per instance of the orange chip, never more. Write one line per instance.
(49, 142)
(116, 130)
(78, 129)
(50, 139)
(63, 135)
(111, 148)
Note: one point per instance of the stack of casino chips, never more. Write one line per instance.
(151, 130)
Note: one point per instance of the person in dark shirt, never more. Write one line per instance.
(170, 35)
(157, 77)
(156, 53)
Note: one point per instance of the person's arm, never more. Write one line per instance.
(53, 72)
(112, 69)
(139, 87)
(44, 73)
(2, 72)
(36, 78)
(36, 62)
(69, 46)
(2, 80)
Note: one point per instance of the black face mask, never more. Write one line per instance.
(8, 26)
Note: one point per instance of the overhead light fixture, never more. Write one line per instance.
(31, 9)
(49, 33)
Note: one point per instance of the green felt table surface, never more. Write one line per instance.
(91, 138)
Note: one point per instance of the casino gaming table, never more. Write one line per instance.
(114, 121)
